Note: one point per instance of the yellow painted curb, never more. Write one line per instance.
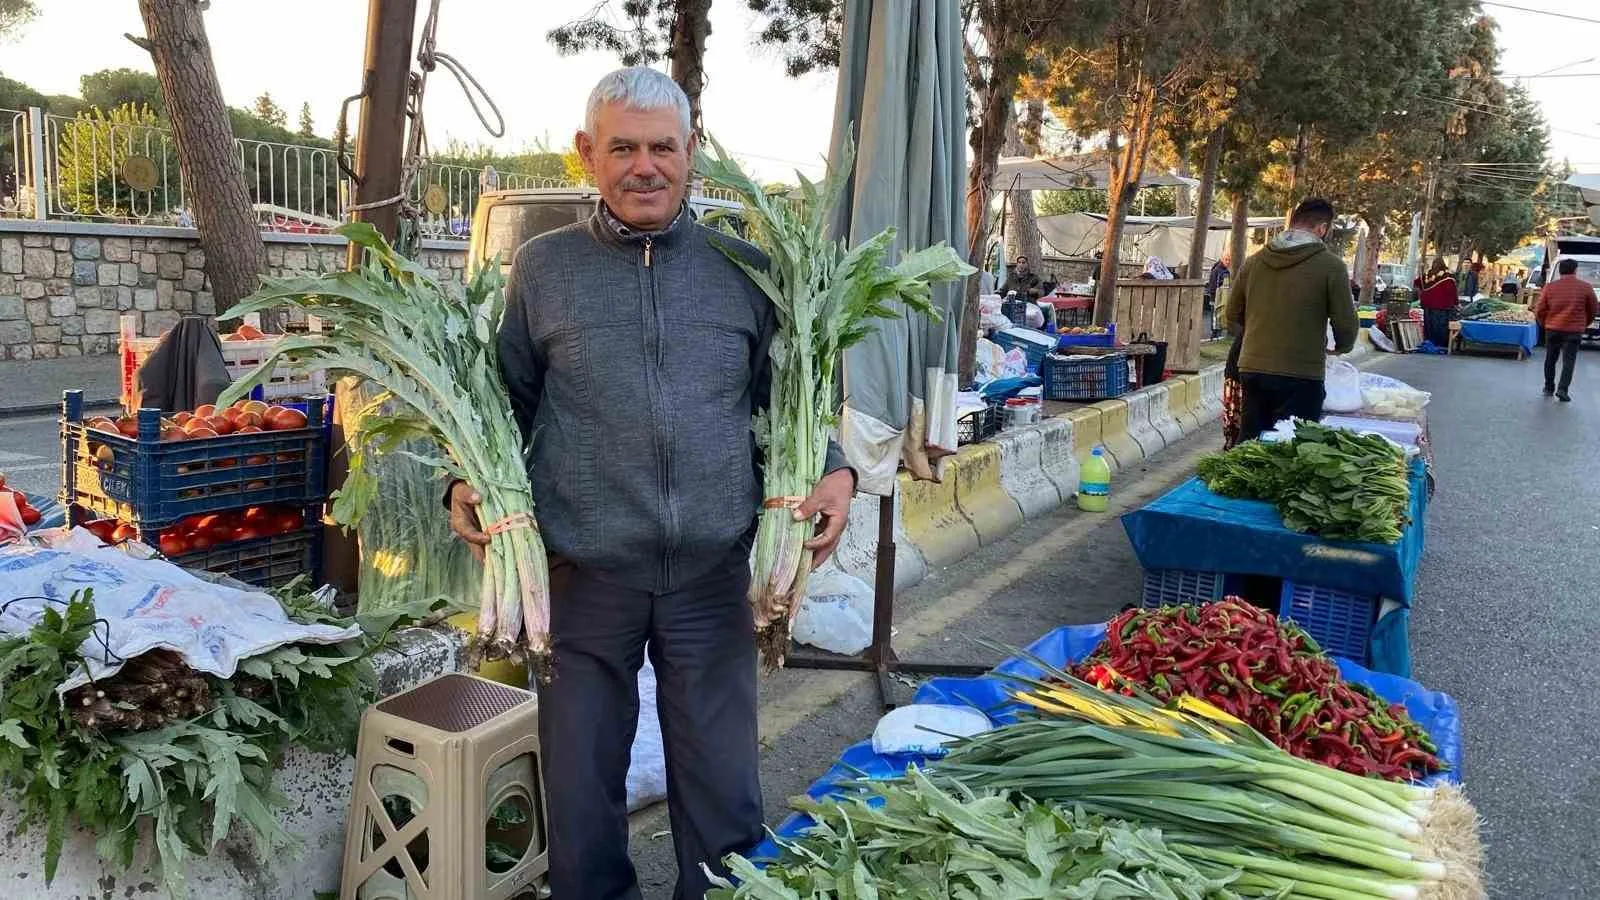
(932, 520)
(979, 494)
(1180, 396)
(1124, 450)
(1085, 431)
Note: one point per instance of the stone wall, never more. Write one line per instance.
(63, 285)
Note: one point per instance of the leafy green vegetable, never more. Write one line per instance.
(1327, 481)
(432, 352)
(825, 295)
(905, 840)
(191, 781)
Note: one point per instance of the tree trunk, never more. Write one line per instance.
(1238, 238)
(207, 155)
(1127, 169)
(986, 139)
(1183, 196)
(691, 25)
(1297, 170)
(1022, 225)
(1367, 266)
(1200, 235)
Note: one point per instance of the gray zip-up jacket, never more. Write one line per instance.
(635, 363)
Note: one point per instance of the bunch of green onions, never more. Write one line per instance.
(1223, 794)
(432, 354)
(825, 295)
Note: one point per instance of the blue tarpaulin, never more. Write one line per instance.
(1435, 711)
(1514, 334)
(1193, 529)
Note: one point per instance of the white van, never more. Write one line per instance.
(1585, 251)
(504, 220)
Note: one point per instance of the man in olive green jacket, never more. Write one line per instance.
(1283, 300)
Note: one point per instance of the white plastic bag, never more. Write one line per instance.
(925, 728)
(989, 362)
(1034, 316)
(836, 614)
(1342, 381)
(1016, 364)
(647, 767)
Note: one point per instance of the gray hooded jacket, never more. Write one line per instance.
(635, 363)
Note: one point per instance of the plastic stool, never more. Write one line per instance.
(448, 802)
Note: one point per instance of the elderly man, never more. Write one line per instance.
(643, 466)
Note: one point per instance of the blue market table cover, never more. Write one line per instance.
(1515, 334)
(1434, 711)
(1193, 529)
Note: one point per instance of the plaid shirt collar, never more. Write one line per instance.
(623, 230)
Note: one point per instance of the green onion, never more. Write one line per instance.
(825, 295)
(432, 353)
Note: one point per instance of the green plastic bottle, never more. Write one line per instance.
(1094, 482)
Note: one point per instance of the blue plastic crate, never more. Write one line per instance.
(263, 562)
(1034, 350)
(1174, 587)
(1088, 378)
(151, 484)
(1340, 622)
(1109, 339)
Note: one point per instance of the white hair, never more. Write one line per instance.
(639, 88)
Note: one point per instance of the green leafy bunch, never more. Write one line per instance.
(190, 782)
(1327, 481)
(910, 840)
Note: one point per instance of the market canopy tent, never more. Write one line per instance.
(902, 94)
(1080, 234)
(1085, 171)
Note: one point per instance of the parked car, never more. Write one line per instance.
(505, 219)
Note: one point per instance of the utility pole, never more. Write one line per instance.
(379, 163)
(381, 134)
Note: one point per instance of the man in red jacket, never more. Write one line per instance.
(1566, 307)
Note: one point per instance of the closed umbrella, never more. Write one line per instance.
(901, 92)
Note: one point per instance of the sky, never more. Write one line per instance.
(312, 50)
(775, 123)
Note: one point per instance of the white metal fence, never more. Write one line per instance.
(113, 170)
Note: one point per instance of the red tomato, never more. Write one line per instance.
(171, 544)
(247, 533)
(284, 419)
(123, 532)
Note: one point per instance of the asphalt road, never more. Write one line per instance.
(1507, 613)
(30, 453)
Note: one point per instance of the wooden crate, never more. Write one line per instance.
(1171, 311)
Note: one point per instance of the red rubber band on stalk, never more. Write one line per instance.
(783, 502)
(515, 520)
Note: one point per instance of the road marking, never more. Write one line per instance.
(812, 690)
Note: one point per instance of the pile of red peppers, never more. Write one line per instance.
(1270, 674)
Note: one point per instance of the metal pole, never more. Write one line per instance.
(380, 155)
(381, 134)
(41, 190)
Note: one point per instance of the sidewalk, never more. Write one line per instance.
(33, 386)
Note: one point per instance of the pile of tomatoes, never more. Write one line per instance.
(206, 421)
(30, 516)
(202, 532)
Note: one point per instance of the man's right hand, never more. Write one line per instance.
(464, 519)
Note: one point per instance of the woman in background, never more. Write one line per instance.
(1437, 291)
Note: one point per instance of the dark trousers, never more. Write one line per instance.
(1565, 345)
(1269, 399)
(1436, 327)
(702, 644)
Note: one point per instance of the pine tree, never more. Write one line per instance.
(267, 110)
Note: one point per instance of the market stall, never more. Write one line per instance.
(1036, 718)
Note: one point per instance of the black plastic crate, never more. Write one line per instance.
(1084, 378)
(980, 424)
(151, 484)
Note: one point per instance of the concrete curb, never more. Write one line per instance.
(1124, 452)
(35, 409)
(1057, 456)
(933, 521)
(1161, 418)
(1023, 474)
(992, 512)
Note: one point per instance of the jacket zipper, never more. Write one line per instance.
(663, 436)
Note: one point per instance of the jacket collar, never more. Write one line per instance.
(613, 231)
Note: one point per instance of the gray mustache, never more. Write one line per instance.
(643, 184)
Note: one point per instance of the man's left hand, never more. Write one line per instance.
(830, 502)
